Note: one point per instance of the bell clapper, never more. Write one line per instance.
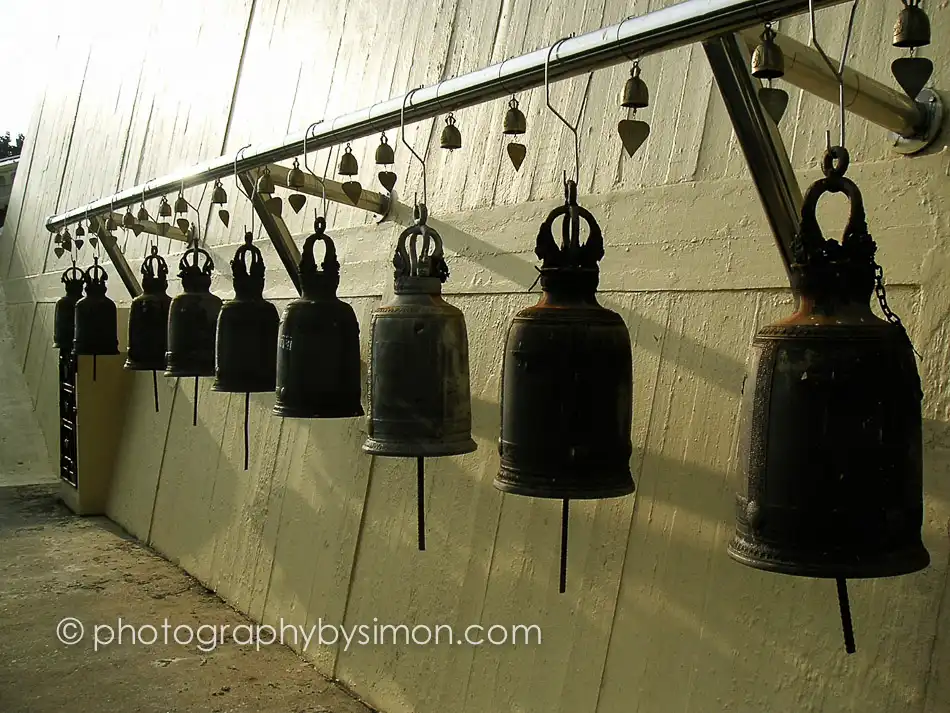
(421, 500)
(247, 404)
(155, 388)
(845, 606)
(565, 512)
(194, 415)
(93, 367)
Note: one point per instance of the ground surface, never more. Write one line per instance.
(55, 565)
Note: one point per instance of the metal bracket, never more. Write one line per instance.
(121, 265)
(152, 228)
(759, 138)
(931, 111)
(276, 228)
(369, 200)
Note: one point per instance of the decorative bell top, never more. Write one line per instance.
(96, 278)
(248, 281)
(572, 267)
(419, 271)
(154, 273)
(195, 277)
(74, 279)
(316, 283)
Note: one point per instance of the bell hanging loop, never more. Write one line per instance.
(768, 60)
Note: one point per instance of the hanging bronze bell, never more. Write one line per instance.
(265, 184)
(384, 152)
(218, 195)
(148, 317)
(451, 136)
(181, 205)
(567, 377)
(164, 209)
(831, 449)
(96, 329)
(64, 314)
(348, 163)
(420, 403)
(912, 28)
(318, 352)
(295, 177)
(246, 344)
(768, 60)
(515, 122)
(128, 220)
(193, 318)
(636, 94)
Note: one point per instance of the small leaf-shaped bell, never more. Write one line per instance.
(515, 122)
(164, 209)
(295, 177)
(183, 225)
(348, 163)
(912, 28)
(181, 205)
(59, 251)
(768, 61)
(384, 152)
(265, 184)
(636, 94)
(451, 136)
(225, 217)
(128, 220)
(218, 196)
(297, 201)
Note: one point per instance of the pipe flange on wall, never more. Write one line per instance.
(932, 113)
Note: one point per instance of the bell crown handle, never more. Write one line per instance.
(856, 242)
(571, 253)
(308, 263)
(154, 266)
(239, 266)
(412, 260)
(73, 275)
(96, 274)
(195, 252)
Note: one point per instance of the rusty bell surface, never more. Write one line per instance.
(318, 348)
(148, 317)
(419, 381)
(96, 329)
(192, 318)
(64, 316)
(831, 448)
(567, 377)
(246, 340)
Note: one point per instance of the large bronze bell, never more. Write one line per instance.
(96, 330)
(831, 451)
(246, 342)
(148, 317)
(567, 379)
(64, 315)
(192, 319)
(419, 389)
(318, 352)
(912, 28)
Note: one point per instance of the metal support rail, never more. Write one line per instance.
(681, 24)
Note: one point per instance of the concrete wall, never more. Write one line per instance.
(656, 617)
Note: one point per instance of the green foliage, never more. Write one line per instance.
(10, 147)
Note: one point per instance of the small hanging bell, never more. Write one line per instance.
(295, 177)
(148, 317)
(96, 329)
(80, 231)
(912, 28)
(451, 136)
(128, 220)
(142, 214)
(246, 342)
(64, 315)
(218, 195)
(111, 224)
(164, 208)
(265, 184)
(348, 163)
(192, 319)
(181, 205)
(768, 60)
(384, 152)
(515, 122)
(636, 94)
(318, 350)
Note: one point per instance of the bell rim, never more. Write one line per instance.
(289, 412)
(898, 563)
(143, 365)
(419, 449)
(506, 485)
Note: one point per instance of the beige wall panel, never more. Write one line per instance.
(41, 342)
(139, 460)
(20, 318)
(320, 518)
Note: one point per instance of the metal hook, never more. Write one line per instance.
(323, 185)
(237, 183)
(635, 60)
(402, 135)
(547, 100)
(839, 72)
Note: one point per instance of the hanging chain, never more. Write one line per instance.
(889, 314)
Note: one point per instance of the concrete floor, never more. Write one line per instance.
(55, 565)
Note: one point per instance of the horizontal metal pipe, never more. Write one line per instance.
(674, 26)
(864, 97)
